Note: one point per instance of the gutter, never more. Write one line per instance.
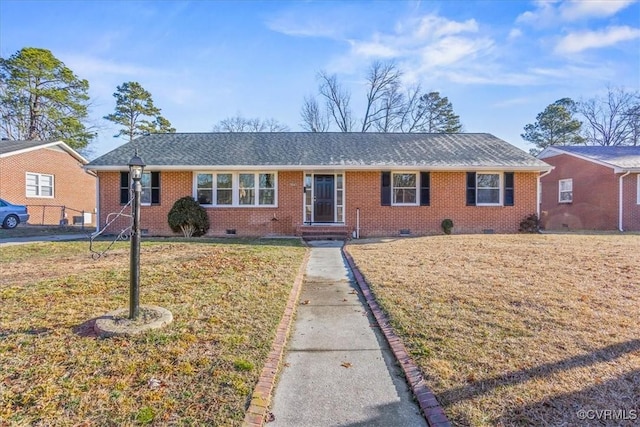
(620, 200)
(538, 192)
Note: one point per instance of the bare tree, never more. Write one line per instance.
(337, 101)
(313, 119)
(612, 120)
(242, 124)
(388, 107)
(382, 80)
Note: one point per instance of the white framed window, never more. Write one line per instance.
(565, 190)
(404, 188)
(488, 187)
(39, 185)
(235, 188)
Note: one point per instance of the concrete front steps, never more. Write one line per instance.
(324, 232)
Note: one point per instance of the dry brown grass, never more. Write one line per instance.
(226, 299)
(516, 329)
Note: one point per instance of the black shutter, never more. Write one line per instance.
(508, 188)
(155, 188)
(385, 190)
(124, 188)
(425, 184)
(471, 188)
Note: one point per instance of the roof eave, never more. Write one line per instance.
(378, 167)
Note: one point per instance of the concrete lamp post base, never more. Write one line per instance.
(117, 323)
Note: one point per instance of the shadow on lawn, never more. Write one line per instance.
(620, 395)
(603, 355)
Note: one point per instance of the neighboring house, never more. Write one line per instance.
(355, 184)
(48, 177)
(591, 188)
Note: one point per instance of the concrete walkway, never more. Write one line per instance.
(10, 241)
(339, 370)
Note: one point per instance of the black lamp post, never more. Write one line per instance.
(136, 167)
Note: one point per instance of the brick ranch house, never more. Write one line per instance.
(49, 177)
(354, 184)
(591, 188)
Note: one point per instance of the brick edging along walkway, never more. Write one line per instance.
(261, 397)
(427, 401)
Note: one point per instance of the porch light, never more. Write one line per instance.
(136, 166)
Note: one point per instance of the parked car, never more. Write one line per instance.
(11, 215)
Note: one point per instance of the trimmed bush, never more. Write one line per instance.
(531, 224)
(447, 226)
(188, 216)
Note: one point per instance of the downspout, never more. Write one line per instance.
(97, 202)
(620, 200)
(538, 198)
(357, 223)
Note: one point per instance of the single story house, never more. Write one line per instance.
(49, 178)
(591, 188)
(299, 183)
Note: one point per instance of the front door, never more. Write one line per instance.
(323, 203)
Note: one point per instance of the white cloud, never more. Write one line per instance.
(580, 9)
(580, 41)
(550, 13)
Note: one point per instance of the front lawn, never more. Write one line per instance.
(226, 299)
(517, 329)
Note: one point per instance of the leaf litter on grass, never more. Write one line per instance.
(226, 301)
(516, 329)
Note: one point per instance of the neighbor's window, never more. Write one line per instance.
(487, 188)
(39, 185)
(247, 189)
(404, 188)
(565, 190)
(224, 189)
(204, 188)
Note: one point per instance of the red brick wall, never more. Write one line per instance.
(362, 190)
(595, 196)
(448, 200)
(73, 187)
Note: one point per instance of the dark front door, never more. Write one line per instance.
(323, 198)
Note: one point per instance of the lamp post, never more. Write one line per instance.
(136, 167)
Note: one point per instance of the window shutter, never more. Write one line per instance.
(425, 184)
(508, 189)
(385, 189)
(155, 188)
(471, 188)
(124, 188)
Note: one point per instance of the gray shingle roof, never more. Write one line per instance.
(343, 150)
(624, 157)
(11, 146)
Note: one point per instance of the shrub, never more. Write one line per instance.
(530, 224)
(188, 216)
(447, 225)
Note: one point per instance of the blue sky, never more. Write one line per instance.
(500, 63)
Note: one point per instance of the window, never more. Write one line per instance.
(224, 189)
(404, 188)
(487, 189)
(39, 185)
(236, 189)
(638, 189)
(247, 189)
(490, 189)
(565, 190)
(150, 183)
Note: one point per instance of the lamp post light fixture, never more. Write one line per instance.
(136, 168)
